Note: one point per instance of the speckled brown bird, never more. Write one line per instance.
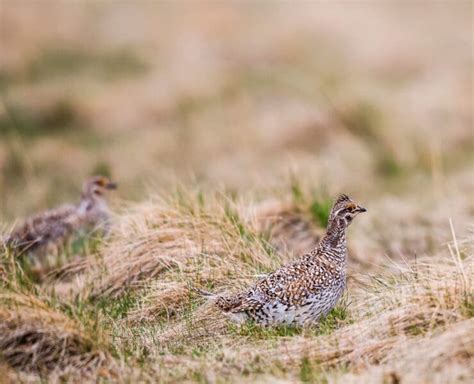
(305, 290)
(51, 229)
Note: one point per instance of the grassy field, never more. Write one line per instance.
(230, 128)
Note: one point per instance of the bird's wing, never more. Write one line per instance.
(55, 223)
(61, 213)
(39, 229)
(295, 282)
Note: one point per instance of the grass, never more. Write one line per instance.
(58, 118)
(468, 305)
(320, 210)
(38, 338)
(119, 308)
(53, 63)
(364, 119)
(131, 307)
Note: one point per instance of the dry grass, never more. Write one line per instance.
(416, 303)
(188, 239)
(442, 357)
(400, 323)
(138, 288)
(38, 338)
(391, 329)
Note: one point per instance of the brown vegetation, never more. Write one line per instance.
(34, 337)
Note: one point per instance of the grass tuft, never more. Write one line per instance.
(320, 210)
(38, 338)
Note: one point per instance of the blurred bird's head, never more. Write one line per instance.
(344, 210)
(97, 187)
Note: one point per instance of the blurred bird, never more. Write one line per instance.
(303, 291)
(53, 228)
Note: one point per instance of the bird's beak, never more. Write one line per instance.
(360, 209)
(111, 185)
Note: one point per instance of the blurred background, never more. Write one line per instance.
(370, 98)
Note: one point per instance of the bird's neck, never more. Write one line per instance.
(333, 244)
(89, 202)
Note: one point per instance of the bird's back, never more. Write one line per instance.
(37, 231)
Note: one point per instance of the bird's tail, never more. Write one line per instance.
(221, 302)
(201, 291)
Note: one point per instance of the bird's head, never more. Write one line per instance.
(97, 187)
(345, 209)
